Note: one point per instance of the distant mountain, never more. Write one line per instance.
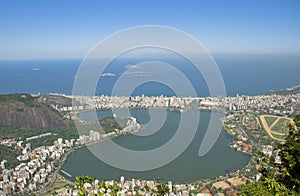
(25, 111)
(287, 91)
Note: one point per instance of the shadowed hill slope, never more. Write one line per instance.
(25, 111)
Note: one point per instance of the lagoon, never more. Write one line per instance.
(187, 167)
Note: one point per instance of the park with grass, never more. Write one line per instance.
(281, 126)
(59, 186)
(277, 127)
(270, 119)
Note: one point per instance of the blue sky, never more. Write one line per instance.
(68, 28)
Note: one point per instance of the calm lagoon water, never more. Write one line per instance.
(185, 168)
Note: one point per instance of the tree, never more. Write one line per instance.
(162, 189)
(281, 177)
(111, 189)
(289, 152)
(256, 189)
(79, 184)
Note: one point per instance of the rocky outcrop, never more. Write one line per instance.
(25, 111)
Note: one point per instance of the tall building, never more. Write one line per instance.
(133, 184)
(3, 164)
(170, 186)
(122, 180)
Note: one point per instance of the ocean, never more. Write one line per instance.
(242, 74)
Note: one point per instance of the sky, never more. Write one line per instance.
(69, 29)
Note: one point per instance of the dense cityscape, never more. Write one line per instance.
(269, 104)
(244, 116)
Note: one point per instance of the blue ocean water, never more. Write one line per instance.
(248, 75)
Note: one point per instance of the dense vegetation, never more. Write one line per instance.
(160, 189)
(81, 180)
(108, 124)
(28, 100)
(9, 154)
(7, 131)
(280, 178)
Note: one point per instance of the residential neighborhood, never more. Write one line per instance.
(241, 121)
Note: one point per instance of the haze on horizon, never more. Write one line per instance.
(69, 29)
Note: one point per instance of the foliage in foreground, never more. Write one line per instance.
(280, 178)
(83, 183)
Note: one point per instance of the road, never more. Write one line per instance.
(55, 175)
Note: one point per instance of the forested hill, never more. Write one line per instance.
(56, 100)
(25, 111)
